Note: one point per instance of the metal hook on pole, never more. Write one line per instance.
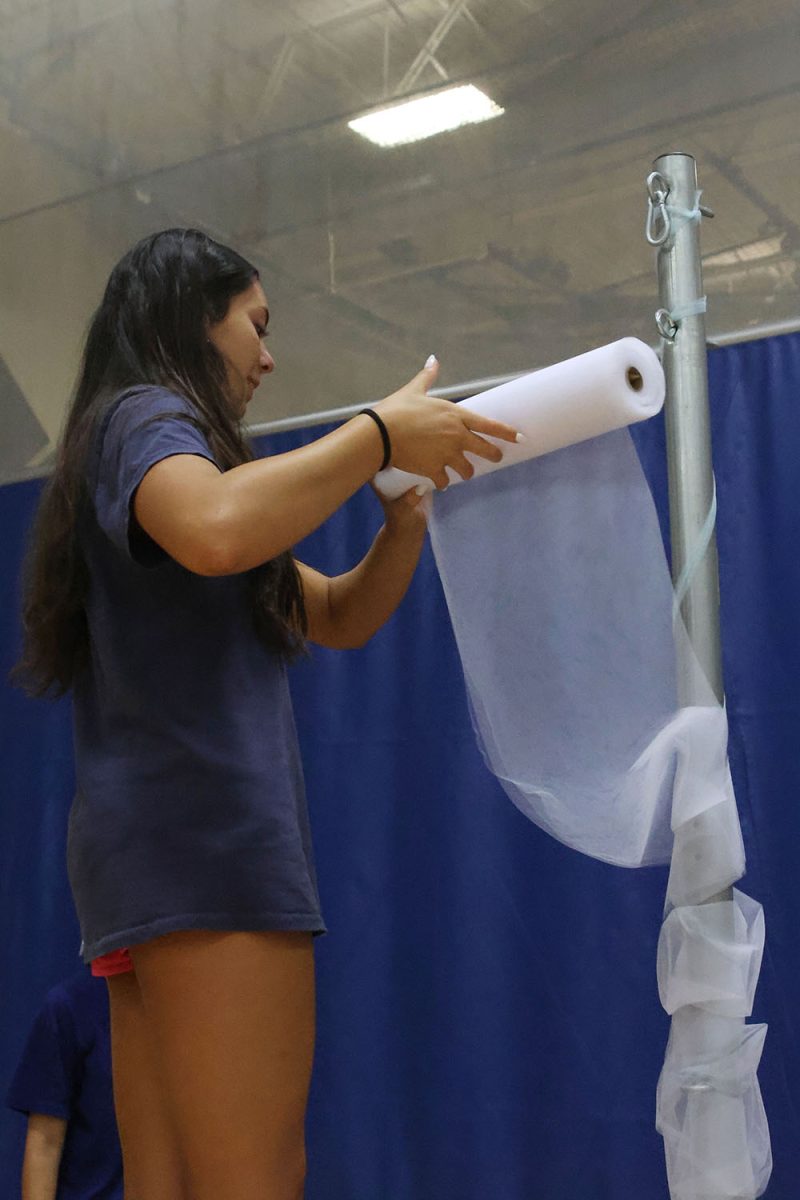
(666, 326)
(658, 226)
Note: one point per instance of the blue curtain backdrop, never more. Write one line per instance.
(489, 1024)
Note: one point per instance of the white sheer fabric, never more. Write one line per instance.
(561, 601)
(710, 955)
(709, 1109)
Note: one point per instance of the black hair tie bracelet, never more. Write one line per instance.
(384, 432)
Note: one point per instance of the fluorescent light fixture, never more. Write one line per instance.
(413, 120)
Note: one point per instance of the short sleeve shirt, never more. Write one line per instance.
(65, 1071)
(190, 809)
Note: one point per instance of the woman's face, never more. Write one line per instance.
(239, 339)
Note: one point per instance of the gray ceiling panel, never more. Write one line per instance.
(500, 247)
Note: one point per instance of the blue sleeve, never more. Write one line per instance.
(49, 1072)
(147, 425)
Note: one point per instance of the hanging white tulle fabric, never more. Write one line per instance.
(562, 605)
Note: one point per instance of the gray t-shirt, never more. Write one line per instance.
(190, 809)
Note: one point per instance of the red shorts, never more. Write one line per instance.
(115, 963)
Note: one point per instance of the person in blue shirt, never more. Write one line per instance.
(62, 1084)
(162, 590)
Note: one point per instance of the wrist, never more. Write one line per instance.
(371, 450)
(383, 432)
(405, 523)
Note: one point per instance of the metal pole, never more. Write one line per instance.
(691, 480)
(688, 422)
(709, 1129)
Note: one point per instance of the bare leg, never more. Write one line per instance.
(232, 1017)
(151, 1160)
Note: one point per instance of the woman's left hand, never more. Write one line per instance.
(405, 514)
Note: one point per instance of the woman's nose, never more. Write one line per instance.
(266, 361)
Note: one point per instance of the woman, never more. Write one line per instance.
(162, 591)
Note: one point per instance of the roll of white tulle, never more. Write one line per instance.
(562, 605)
(560, 598)
(596, 392)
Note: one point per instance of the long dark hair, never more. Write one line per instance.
(150, 328)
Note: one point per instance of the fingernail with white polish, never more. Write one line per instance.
(420, 489)
(430, 361)
(521, 437)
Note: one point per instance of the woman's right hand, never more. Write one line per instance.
(429, 434)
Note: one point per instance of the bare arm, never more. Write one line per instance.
(44, 1145)
(346, 610)
(218, 523)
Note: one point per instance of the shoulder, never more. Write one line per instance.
(64, 999)
(141, 405)
(77, 1005)
(145, 423)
